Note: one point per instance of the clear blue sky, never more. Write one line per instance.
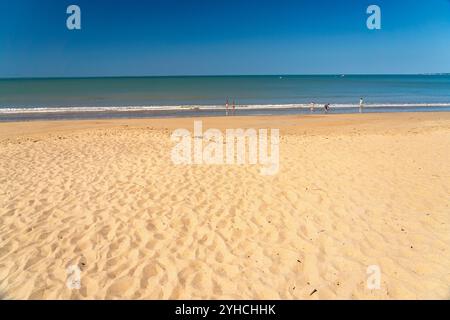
(203, 37)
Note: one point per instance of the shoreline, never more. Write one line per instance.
(128, 113)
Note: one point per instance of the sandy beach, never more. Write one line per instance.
(352, 191)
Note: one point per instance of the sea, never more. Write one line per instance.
(180, 96)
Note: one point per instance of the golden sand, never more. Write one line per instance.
(352, 191)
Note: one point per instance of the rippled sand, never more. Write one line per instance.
(352, 191)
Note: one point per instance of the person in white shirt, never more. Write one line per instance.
(361, 104)
(226, 107)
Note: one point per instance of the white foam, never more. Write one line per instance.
(15, 110)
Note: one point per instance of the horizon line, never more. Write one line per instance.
(223, 75)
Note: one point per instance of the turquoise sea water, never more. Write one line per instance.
(210, 93)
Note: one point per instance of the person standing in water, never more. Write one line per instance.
(226, 108)
(312, 107)
(234, 108)
(326, 107)
(361, 105)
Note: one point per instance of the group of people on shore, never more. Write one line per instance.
(233, 108)
(326, 107)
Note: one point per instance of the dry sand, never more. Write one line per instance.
(352, 191)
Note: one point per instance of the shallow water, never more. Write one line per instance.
(88, 98)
